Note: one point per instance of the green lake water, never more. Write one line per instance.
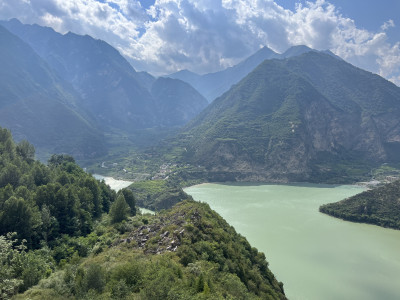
(317, 257)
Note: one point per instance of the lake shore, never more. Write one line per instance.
(314, 255)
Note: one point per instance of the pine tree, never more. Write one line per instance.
(119, 210)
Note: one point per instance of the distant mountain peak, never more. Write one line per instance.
(296, 50)
(183, 72)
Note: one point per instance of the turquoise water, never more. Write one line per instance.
(317, 257)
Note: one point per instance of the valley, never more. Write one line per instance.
(187, 167)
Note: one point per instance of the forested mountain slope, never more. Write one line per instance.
(310, 117)
(111, 90)
(188, 252)
(36, 104)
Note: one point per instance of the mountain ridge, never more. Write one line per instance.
(112, 91)
(35, 103)
(104, 89)
(213, 85)
(282, 123)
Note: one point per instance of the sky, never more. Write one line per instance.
(165, 36)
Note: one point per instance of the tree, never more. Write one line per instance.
(119, 210)
(26, 150)
(108, 196)
(8, 255)
(92, 185)
(40, 174)
(95, 278)
(18, 216)
(10, 175)
(59, 159)
(130, 199)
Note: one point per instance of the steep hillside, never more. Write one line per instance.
(112, 91)
(311, 117)
(177, 101)
(380, 206)
(213, 85)
(188, 252)
(36, 104)
(65, 235)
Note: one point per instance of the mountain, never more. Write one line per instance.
(379, 206)
(212, 85)
(36, 104)
(295, 51)
(177, 101)
(111, 90)
(311, 117)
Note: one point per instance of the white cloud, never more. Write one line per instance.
(207, 35)
(387, 25)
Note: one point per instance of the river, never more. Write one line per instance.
(317, 257)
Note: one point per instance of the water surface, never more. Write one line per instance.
(117, 184)
(315, 256)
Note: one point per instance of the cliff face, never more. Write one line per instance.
(310, 117)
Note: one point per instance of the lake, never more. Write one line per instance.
(315, 256)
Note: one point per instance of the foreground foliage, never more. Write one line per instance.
(41, 203)
(65, 235)
(380, 206)
(189, 252)
(49, 209)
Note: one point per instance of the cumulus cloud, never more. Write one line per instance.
(208, 35)
(387, 25)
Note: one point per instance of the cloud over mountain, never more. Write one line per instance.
(208, 35)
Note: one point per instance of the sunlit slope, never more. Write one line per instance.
(310, 117)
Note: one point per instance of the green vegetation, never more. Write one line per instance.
(311, 117)
(157, 194)
(49, 209)
(380, 206)
(188, 252)
(57, 240)
(36, 104)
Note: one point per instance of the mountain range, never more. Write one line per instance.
(303, 115)
(213, 85)
(311, 117)
(104, 85)
(37, 104)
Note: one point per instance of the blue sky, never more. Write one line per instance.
(164, 36)
(147, 3)
(368, 14)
